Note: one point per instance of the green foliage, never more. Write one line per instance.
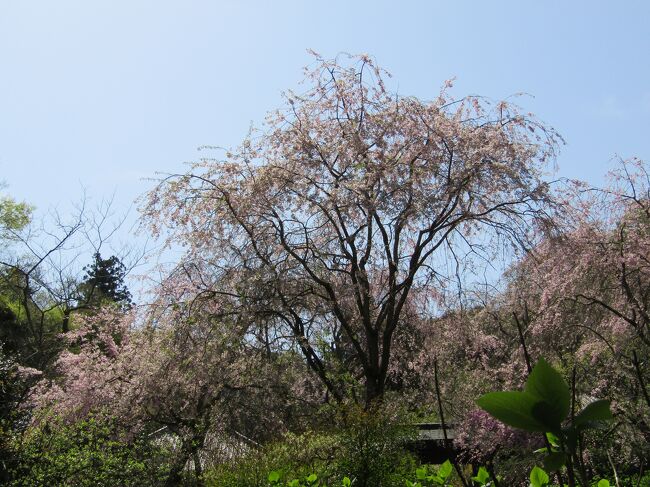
(309, 481)
(592, 414)
(30, 324)
(538, 477)
(430, 475)
(13, 389)
(14, 216)
(368, 449)
(296, 456)
(372, 450)
(516, 409)
(544, 406)
(482, 477)
(11, 331)
(636, 480)
(104, 281)
(86, 454)
(441, 475)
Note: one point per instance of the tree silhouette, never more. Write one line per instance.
(104, 280)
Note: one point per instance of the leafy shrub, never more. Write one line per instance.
(295, 456)
(545, 406)
(367, 447)
(86, 453)
(428, 475)
(372, 450)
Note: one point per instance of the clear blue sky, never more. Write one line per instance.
(100, 94)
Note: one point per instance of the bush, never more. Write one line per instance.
(367, 447)
(86, 453)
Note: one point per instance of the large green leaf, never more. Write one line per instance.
(570, 438)
(538, 477)
(546, 414)
(445, 470)
(482, 476)
(596, 411)
(554, 461)
(513, 408)
(549, 387)
(553, 440)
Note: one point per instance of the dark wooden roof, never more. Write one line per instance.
(429, 444)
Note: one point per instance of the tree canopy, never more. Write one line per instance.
(353, 212)
(104, 280)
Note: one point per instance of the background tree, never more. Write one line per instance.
(41, 284)
(40, 289)
(14, 216)
(171, 369)
(16, 383)
(595, 292)
(580, 300)
(104, 281)
(353, 205)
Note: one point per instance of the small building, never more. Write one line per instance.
(433, 443)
